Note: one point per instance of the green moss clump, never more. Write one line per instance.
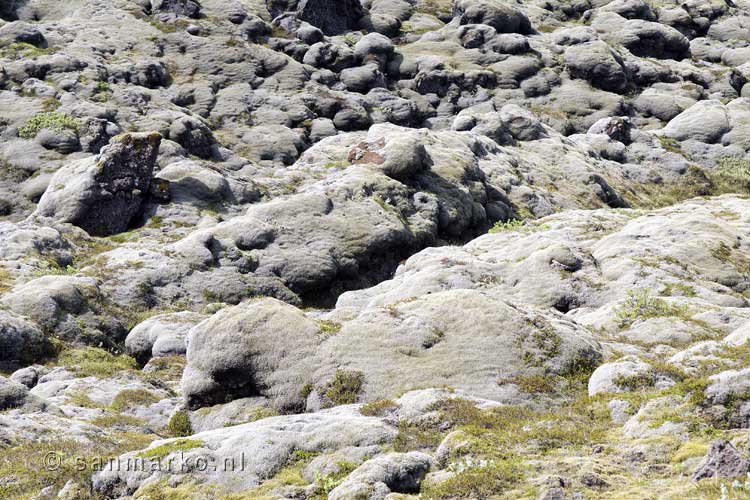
(165, 449)
(535, 383)
(130, 398)
(23, 50)
(22, 464)
(485, 480)
(6, 280)
(95, 362)
(378, 408)
(344, 388)
(179, 425)
(509, 225)
(640, 305)
(731, 175)
(327, 483)
(327, 328)
(672, 146)
(51, 120)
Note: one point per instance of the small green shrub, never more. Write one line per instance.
(179, 425)
(509, 225)
(640, 305)
(344, 388)
(378, 408)
(51, 120)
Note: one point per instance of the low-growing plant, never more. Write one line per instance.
(179, 424)
(344, 388)
(324, 484)
(731, 175)
(509, 225)
(327, 328)
(378, 408)
(51, 120)
(485, 479)
(165, 449)
(131, 398)
(639, 304)
(96, 362)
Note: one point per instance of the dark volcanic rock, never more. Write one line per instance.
(103, 194)
(723, 461)
(333, 17)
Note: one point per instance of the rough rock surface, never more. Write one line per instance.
(390, 249)
(103, 195)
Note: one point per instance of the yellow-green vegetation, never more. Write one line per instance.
(509, 225)
(691, 449)
(378, 408)
(327, 328)
(725, 253)
(51, 104)
(95, 362)
(6, 280)
(23, 50)
(117, 420)
(168, 368)
(732, 175)
(433, 7)
(499, 440)
(50, 267)
(344, 388)
(535, 383)
(641, 305)
(179, 424)
(291, 475)
(337, 164)
(80, 398)
(672, 146)
(483, 480)
(11, 172)
(178, 25)
(324, 484)
(24, 474)
(51, 120)
(678, 290)
(132, 398)
(165, 449)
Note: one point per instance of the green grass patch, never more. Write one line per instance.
(95, 362)
(640, 305)
(481, 481)
(22, 50)
(378, 408)
(132, 398)
(165, 449)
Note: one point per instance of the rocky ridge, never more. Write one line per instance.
(380, 249)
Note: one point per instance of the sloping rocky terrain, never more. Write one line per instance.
(374, 249)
